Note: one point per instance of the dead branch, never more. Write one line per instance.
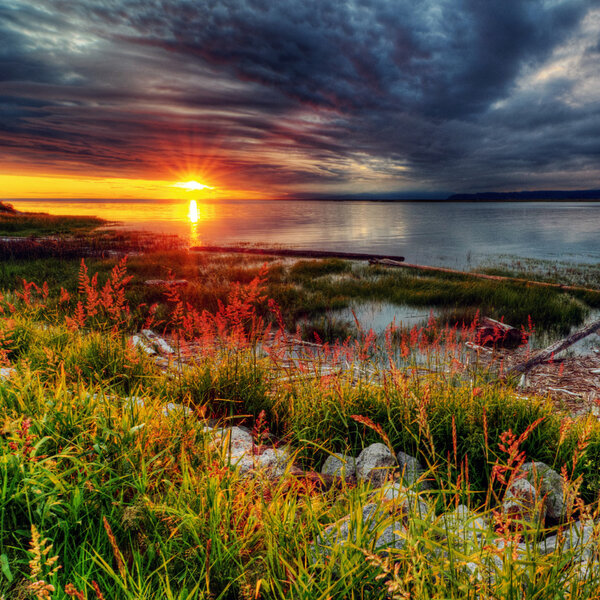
(386, 262)
(550, 351)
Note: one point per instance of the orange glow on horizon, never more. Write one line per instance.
(96, 188)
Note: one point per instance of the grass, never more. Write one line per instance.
(103, 496)
(563, 272)
(21, 224)
(311, 292)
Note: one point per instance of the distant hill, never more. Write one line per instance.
(533, 195)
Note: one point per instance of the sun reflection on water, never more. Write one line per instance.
(193, 212)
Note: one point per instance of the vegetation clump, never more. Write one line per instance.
(105, 494)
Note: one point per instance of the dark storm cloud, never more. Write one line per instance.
(432, 92)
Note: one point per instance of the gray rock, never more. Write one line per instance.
(139, 343)
(339, 465)
(7, 372)
(411, 470)
(550, 484)
(235, 439)
(391, 537)
(244, 462)
(159, 343)
(403, 501)
(465, 524)
(521, 502)
(351, 531)
(172, 408)
(487, 570)
(587, 570)
(579, 538)
(276, 460)
(375, 464)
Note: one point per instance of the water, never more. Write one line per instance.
(458, 235)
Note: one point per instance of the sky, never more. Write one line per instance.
(298, 98)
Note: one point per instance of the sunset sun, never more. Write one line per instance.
(192, 186)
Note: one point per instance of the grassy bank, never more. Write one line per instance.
(25, 224)
(105, 496)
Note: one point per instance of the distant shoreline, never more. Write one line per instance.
(450, 200)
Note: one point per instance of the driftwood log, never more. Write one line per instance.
(296, 253)
(495, 333)
(553, 349)
(388, 262)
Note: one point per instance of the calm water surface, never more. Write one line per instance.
(434, 233)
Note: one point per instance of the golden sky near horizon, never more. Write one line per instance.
(43, 186)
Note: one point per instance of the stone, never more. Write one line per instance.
(276, 460)
(350, 531)
(464, 523)
(375, 464)
(244, 462)
(549, 484)
(521, 503)
(169, 409)
(273, 460)
(405, 502)
(237, 440)
(159, 343)
(411, 470)
(7, 372)
(578, 538)
(173, 408)
(340, 465)
(139, 343)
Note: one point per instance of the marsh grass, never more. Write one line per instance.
(551, 271)
(24, 224)
(311, 292)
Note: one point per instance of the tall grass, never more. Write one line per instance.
(103, 495)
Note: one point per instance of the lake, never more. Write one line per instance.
(450, 234)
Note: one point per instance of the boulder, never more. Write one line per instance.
(411, 470)
(6, 372)
(237, 441)
(351, 531)
(549, 484)
(137, 341)
(339, 465)
(464, 523)
(375, 464)
(578, 538)
(275, 459)
(521, 502)
(402, 501)
(173, 408)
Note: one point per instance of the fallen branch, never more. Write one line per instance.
(295, 253)
(550, 351)
(387, 262)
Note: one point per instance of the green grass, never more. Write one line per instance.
(551, 271)
(148, 506)
(311, 291)
(43, 224)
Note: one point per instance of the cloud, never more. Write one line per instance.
(319, 94)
